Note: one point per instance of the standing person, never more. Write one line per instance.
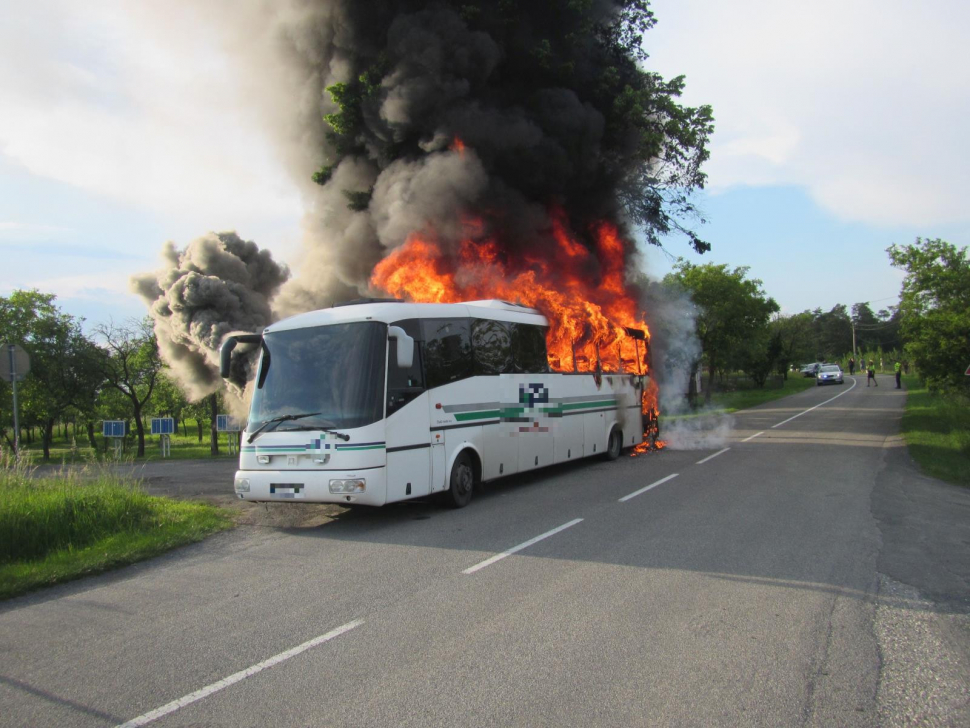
(872, 374)
(851, 365)
(899, 373)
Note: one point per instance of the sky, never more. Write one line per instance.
(839, 131)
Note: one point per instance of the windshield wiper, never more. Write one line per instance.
(275, 422)
(343, 436)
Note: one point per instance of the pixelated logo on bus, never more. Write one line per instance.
(532, 396)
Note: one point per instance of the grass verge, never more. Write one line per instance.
(72, 446)
(57, 529)
(937, 432)
(728, 402)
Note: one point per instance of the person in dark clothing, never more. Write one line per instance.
(851, 365)
(899, 374)
(872, 374)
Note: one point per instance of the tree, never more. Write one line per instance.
(62, 374)
(761, 355)
(731, 310)
(130, 363)
(834, 333)
(796, 339)
(875, 330)
(934, 310)
(168, 400)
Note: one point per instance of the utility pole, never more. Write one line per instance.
(11, 349)
(14, 365)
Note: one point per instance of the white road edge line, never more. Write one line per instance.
(241, 675)
(635, 493)
(499, 557)
(854, 382)
(757, 434)
(711, 457)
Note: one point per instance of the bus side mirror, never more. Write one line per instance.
(405, 346)
(225, 353)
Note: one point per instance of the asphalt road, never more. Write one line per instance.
(799, 571)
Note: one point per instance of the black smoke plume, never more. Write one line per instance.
(548, 96)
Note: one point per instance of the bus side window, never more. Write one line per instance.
(447, 350)
(403, 385)
(492, 347)
(529, 349)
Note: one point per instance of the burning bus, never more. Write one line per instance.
(379, 401)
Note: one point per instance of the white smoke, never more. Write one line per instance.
(675, 352)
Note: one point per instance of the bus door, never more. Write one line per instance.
(407, 429)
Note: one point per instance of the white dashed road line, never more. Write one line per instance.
(241, 675)
(854, 382)
(757, 434)
(711, 457)
(635, 493)
(499, 557)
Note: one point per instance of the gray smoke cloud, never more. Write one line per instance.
(218, 284)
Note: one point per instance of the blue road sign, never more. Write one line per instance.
(226, 423)
(163, 425)
(113, 428)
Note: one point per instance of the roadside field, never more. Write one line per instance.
(937, 431)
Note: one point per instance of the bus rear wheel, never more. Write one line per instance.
(614, 445)
(462, 483)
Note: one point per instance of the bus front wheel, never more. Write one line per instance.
(462, 483)
(614, 445)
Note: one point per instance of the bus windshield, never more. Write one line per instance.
(335, 372)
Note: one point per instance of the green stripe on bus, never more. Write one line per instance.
(513, 411)
(587, 405)
(485, 414)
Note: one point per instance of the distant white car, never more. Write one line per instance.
(829, 374)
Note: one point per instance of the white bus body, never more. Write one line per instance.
(476, 403)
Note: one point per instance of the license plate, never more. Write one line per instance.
(286, 490)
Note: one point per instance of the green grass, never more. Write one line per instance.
(728, 402)
(937, 430)
(58, 529)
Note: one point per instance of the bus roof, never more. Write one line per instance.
(391, 311)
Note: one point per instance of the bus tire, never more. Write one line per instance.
(614, 445)
(461, 483)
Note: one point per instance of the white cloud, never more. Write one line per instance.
(861, 102)
(101, 97)
(91, 286)
(30, 231)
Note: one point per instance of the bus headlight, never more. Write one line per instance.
(348, 485)
(262, 459)
(242, 485)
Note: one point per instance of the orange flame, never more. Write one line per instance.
(581, 291)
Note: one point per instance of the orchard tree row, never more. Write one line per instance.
(78, 380)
